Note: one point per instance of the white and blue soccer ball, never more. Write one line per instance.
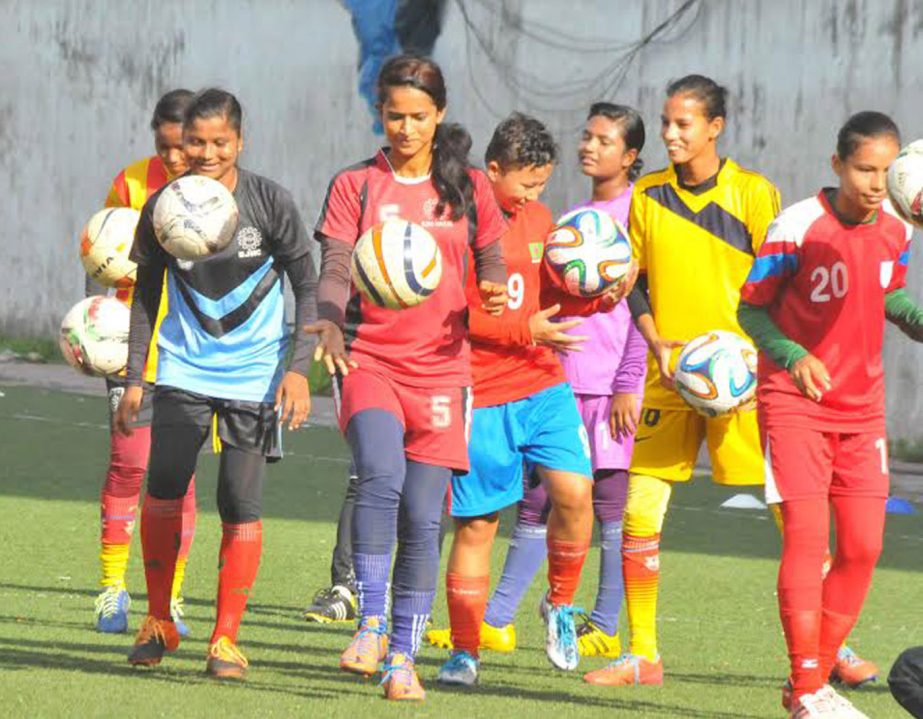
(716, 373)
(195, 217)
(94, 336)
(588, 252)
(396, 264)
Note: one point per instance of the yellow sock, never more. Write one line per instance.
(178, 575)
(113, 560)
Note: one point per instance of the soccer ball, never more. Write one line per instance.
(104, 246)
(716, 373)
(195, 217)
(94, 336)
(587, 252)
(905, 183)
(396, 264)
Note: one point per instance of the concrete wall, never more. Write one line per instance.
(79, 78)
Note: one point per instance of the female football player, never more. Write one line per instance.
(607, 379)
(695, 227)
(524, 413)
(831, 270)
(221, 346)
(128, 456)
(405, 396)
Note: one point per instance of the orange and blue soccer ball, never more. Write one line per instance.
(587, 252)
(396, 264)
(716, 373)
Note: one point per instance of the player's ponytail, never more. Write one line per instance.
(451, 143)
(631, 127)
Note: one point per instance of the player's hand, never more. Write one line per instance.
(553, 334)
(126, 413)
(620, 290)
(810, 376)
(493, 297)
(663, 352)
(624, 414)
(331, 347)
(293, 399)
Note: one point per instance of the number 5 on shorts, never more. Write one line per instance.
(442, 411)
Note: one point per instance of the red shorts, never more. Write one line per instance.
(436, 420)
(812, 464)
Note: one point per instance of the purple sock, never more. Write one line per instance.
(408, 620)
(528, 549)
(372, 571)
(611, 585)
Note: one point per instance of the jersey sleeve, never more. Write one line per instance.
(341, 214)
(510, 328)
(764, 208)
(902, 262)
(776, 261)
(290, 237)
(490, 225)
(119, 195)
(146, 250)
(636, 227)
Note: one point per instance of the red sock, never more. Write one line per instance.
(805, 533)
(161, 527)
(565, 563)
(189, 517)
(860, 525)
(238, 562)
(467, 600)
(122, 489)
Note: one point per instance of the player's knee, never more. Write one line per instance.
(476, 532)
(238, 509)
(861, 552)
(573, 495)
(646, 505)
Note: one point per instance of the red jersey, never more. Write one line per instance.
(426, 345)
(824, 283)
(505, 363)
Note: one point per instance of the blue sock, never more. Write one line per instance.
(528, 549)
(408, 620)
(372, 572)
(611, 585)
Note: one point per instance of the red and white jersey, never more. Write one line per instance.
(506, 365)
(824, 283)
(425, 345)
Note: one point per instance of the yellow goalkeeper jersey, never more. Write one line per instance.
(695, 246)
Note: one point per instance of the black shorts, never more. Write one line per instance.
(251, 427)
(115, 388)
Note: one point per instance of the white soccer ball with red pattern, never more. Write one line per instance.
(94, 336)
(716, 373)
(396, 264)
(905, 183)
(195, 217)
(105, 243)
(587, 252)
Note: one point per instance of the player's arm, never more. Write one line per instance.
(489, 267)
(293, 249)
(149, 257)
(625, 410)
(904, 313)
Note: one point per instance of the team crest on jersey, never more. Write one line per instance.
(249, 243)
(536, 249)
(885, 273)
(431, 219)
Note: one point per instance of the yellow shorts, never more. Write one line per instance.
(668, 440)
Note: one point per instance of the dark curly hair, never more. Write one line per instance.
(521, 141)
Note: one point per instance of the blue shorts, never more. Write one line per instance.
(544, 429)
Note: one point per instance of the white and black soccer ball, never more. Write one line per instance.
(94, 336)
(396, 264)
(588, 252)
(905, 183)
(716, 373)
(195, 217)
(105, 243)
